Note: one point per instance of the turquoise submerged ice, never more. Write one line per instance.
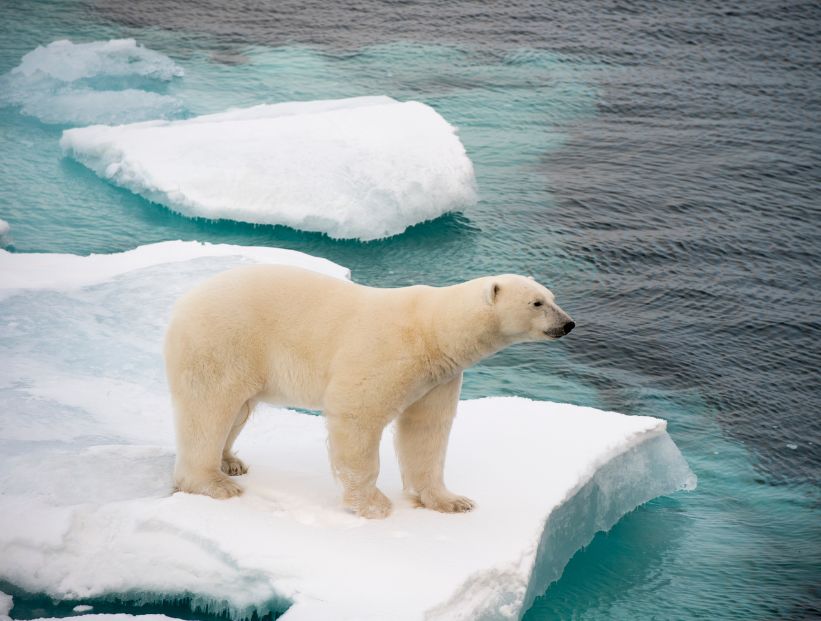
(84, 83)
(87, 451)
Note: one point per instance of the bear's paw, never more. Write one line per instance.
(375, 506)
(217, 486)
(445, 502)
(233, 466)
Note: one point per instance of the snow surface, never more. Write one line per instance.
(86, 454)
(99, 82)
(364, 167)
(37, 270)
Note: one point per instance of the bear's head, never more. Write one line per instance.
(525, 310)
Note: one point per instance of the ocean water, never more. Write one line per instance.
(658, 165)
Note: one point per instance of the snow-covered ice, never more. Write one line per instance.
(112, 81)
(364, 167)
(37, 270)
(86, 453)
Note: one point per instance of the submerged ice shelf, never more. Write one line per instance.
(86, 451)
(112, 81)
(364, 167)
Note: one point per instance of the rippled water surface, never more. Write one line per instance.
(657, 164)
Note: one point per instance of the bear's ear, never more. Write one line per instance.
(491, 291)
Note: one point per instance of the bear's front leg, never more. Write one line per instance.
(422, 433)
(353, 445)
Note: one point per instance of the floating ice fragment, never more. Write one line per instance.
(5, 227)
(83, 106)
(82, 608)
(86, 451)
(98, 82)
(68, 62)
(6, 604)
(366, 167)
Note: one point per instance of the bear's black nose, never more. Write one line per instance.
(569, 326)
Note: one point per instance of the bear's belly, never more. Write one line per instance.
(294, 382)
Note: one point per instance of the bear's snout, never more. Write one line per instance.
(562, 329)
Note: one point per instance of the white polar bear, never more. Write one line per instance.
(362, 355)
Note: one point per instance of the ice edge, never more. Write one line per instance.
(602, 501)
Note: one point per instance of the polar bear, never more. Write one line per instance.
(364, 356)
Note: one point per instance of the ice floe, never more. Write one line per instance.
(364, 167)
(6, 604)
(86, 452)
(5, 227)
(112, 81)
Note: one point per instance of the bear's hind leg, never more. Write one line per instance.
(231, 464)
(422, 433)
(353, 445)
(203, 428)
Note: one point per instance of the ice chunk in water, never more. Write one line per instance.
(6, 604)
(366, 167)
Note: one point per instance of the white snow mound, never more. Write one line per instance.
(112, 81)
(86, 454)
(365, 167)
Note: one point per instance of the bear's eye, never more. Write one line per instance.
(538, 303)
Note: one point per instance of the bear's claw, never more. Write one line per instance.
(233, 466)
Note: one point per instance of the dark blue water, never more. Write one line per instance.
(657, 164)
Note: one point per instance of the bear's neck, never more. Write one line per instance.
(464, 329)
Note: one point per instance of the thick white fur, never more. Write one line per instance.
(364, 356)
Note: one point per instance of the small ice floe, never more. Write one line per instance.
(364, 168)
(6, 604)
(116, 81)
(86, 456)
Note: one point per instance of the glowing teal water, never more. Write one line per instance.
(739, 547)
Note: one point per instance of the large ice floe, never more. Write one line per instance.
(364, 167)
(99, 82)
(86, 454)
